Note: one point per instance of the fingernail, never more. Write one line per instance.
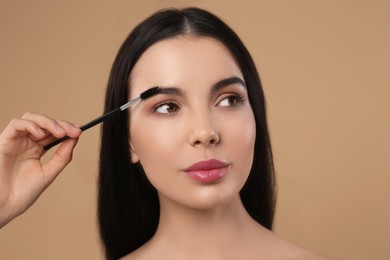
(59, 129)
(75, 128)
(40, 131)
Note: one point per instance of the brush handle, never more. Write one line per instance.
(144, 95)
(84, 127)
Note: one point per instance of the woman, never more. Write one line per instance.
(187, 173)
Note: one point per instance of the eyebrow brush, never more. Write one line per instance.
(144, 95)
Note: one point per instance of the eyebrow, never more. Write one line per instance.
(227, 82)
(171, 91)
(215, 87)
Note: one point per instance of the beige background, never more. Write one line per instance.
(325, 69)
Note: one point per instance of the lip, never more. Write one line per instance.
(207, 171)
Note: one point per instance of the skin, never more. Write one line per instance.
(203, 221)
(202, 125)
(23, 176)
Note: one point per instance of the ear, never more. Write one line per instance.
(133, 153)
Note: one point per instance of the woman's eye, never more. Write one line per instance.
(166, 108)
(230, 101)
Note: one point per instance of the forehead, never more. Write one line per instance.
(178, 60)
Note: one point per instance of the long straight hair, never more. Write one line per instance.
(128, 205)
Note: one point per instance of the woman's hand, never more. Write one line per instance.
(23, 176)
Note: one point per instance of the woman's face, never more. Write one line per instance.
(196, 139)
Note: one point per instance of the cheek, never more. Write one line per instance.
(242, 129)
(245, 132)
(241, 137)
(155, 146)
(151, 142)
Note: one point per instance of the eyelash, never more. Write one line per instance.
(166, 103)
(237, 99)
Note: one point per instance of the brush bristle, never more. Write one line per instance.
(150, 92)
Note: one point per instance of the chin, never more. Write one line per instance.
(208, 198)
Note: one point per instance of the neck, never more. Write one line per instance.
(192, 231)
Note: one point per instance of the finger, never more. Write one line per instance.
(18, 127)
(60, 126)
(71, 130)
(60, 159)
(46, 123)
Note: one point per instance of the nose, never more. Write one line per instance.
(203, 131)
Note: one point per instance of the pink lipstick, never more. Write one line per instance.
(207, 171)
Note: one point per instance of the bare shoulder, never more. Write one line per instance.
(279, 248)
(260, 244)
(143, 252)
(137, 254)
(134, 255)
(131, 256)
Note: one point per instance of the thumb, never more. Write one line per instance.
(60, 159)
